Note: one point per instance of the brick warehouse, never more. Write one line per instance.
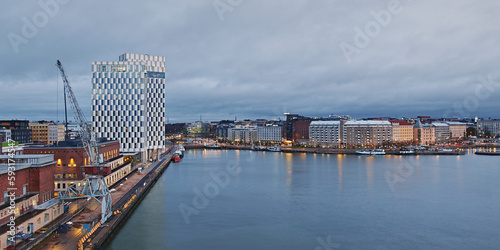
(70, 156)
(33, 206)
(33, 183)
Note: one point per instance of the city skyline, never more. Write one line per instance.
(260, 60)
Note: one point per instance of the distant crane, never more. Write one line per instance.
(93, 186)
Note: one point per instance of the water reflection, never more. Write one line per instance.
(289, 168)
(340, 169)
(369, 172)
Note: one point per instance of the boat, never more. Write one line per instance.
(259, 148)
(179, 153)
(181, 148)
(445, 150)
(363, 152)
(212, 146)
(405, 152)
(177, 159)
(373, 152)
(274, 149)
(378, 151)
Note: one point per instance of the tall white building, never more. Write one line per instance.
(128, 102)
(325, 132)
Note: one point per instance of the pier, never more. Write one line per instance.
(130, 191)
(487, 153)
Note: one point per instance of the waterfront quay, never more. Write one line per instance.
(126, 195)
(318, 201)
(346, 151)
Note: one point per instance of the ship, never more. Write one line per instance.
(405, 152)
(274, 149)
(373, 152)
(259, 148)
(212, 146)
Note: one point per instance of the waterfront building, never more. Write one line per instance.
(20, 130)
(367, 133)
(296, 129)
(242, 134)
(270, 133)
(325, 133)
(402, 131)
(198, 129)
(442, 131)
(457, 130)
(70, 157)
(490, 127)
(32, 193)
(221, 132)
(128, 102)
(424, 134)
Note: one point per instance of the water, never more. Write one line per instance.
(313, 201)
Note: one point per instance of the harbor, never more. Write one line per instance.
(128, 192)
(296, 201)
(349, 151)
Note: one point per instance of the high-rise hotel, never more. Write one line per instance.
(128, 102)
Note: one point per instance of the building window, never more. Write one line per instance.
(72, 163)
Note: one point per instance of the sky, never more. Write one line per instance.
(260, 59)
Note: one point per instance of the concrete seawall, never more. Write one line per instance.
(127, 204)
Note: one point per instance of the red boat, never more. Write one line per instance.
(177, 159)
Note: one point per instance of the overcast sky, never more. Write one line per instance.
(259, 59)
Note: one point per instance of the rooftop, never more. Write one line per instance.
(325, 123)
(400, 122)
(24, 161)
(439, 124)
(368, 123)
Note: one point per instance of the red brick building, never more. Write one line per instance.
(301, 131)
(71, 156)
(32, 185)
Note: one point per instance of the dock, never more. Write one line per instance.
(487, 153)
(342, 151)
(129, 193)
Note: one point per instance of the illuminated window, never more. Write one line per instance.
(72, 163)
(59, 163)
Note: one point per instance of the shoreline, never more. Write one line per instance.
(462, 151)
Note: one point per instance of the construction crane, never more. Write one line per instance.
(93, 186)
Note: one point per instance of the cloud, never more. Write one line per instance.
(263, 58)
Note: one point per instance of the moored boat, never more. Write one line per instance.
(177, 159)
(363, 152)
(378, 151)
(405, 152)
(274, 149)
(259, 148)
(212, 146)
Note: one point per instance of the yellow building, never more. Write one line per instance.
(402, 131)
